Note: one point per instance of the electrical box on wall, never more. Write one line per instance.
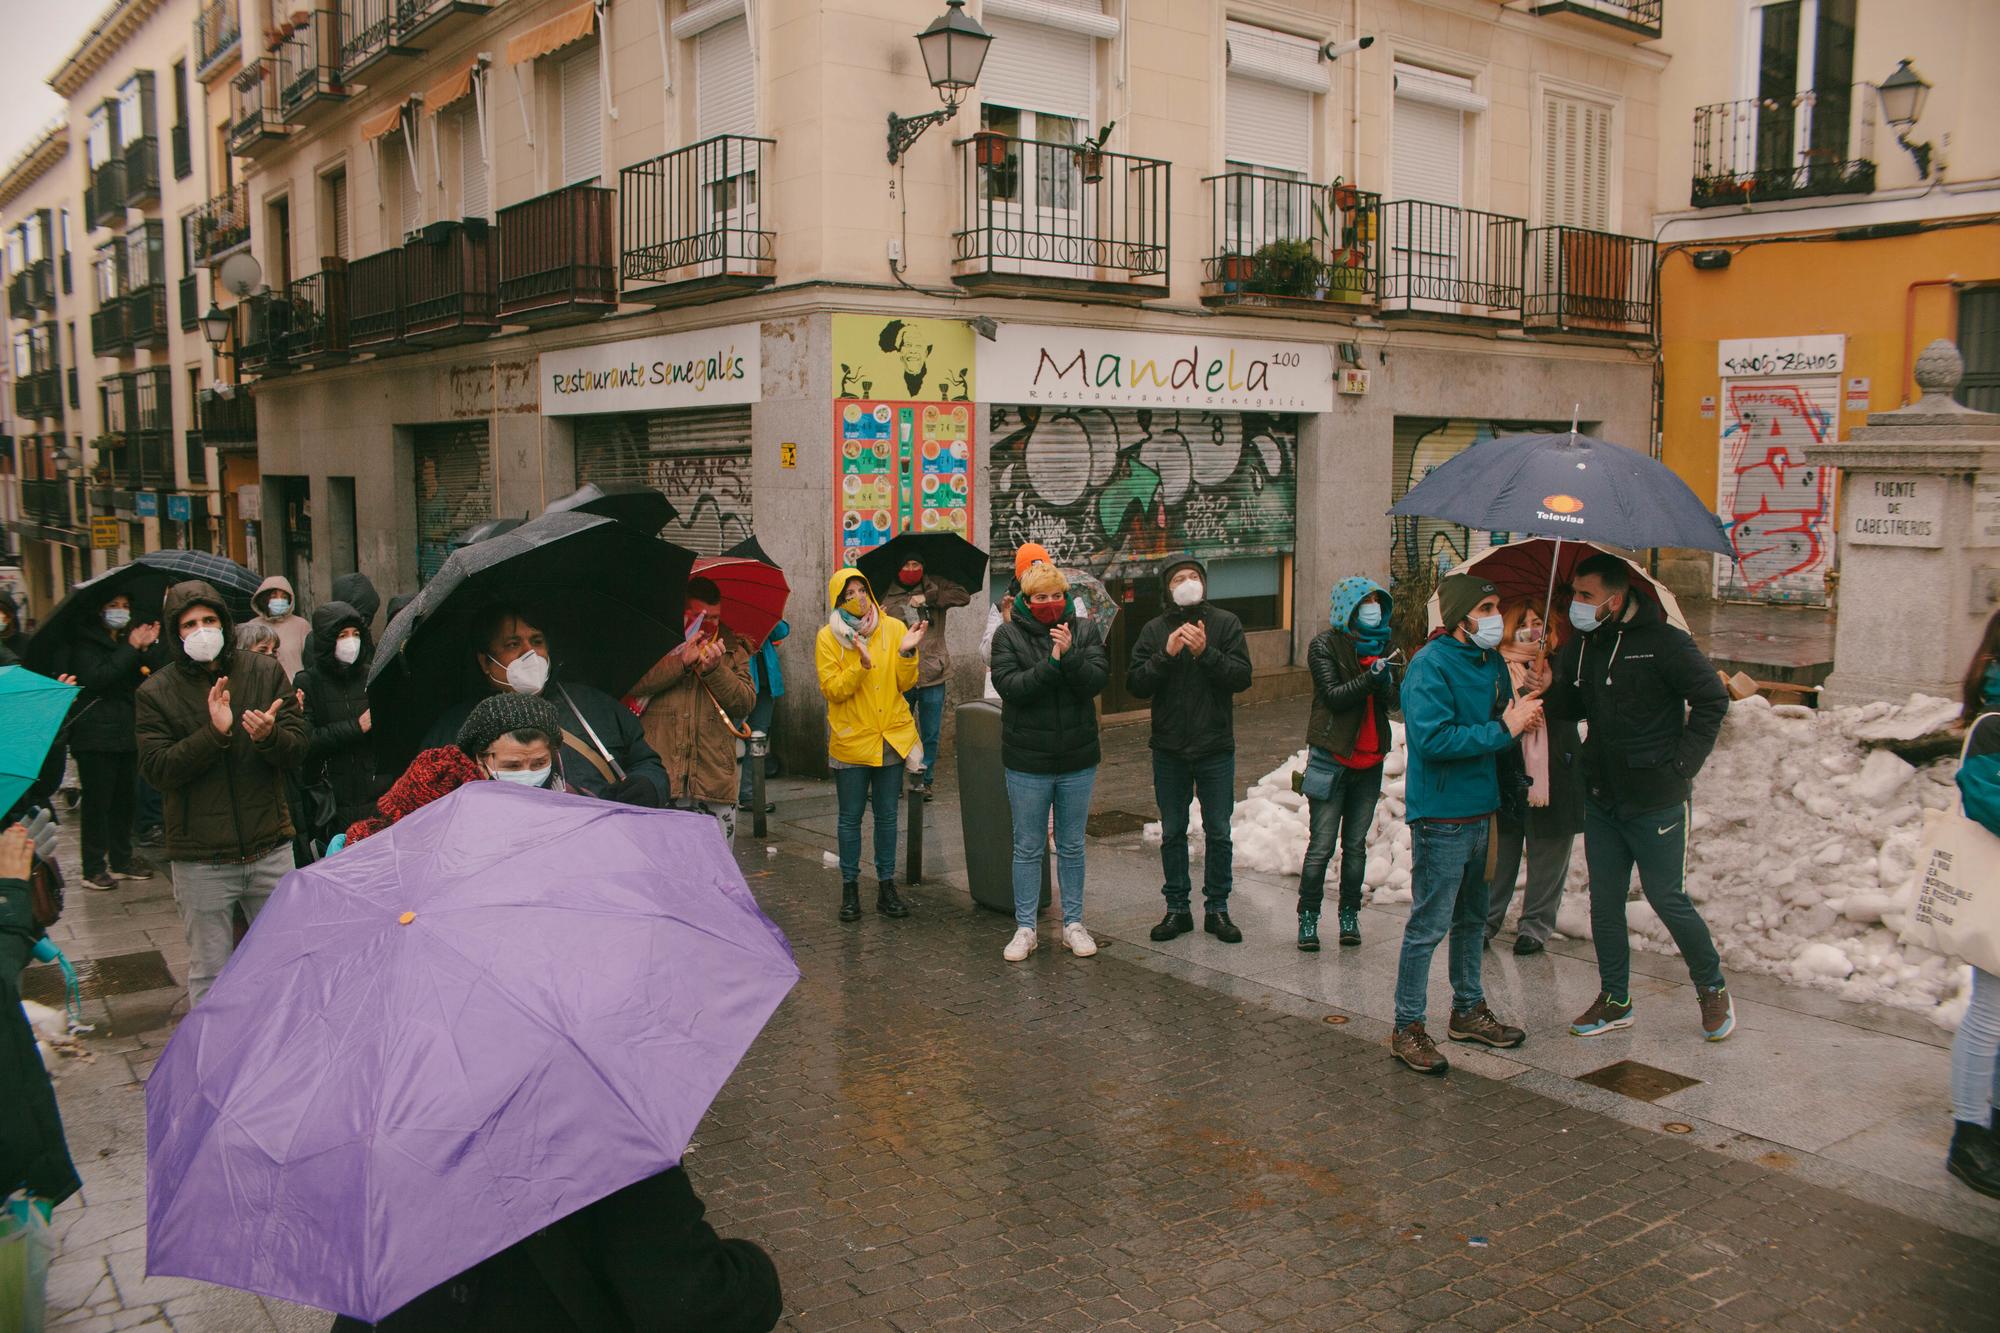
(1353, 381)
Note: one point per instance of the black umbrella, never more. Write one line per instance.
(479, 532)
(945, 555)
(608, 596)
(631, 502)
(750, 549)
(145, 580)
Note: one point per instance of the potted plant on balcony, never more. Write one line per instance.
(1090, 154)
(1238, 269)
(1286, 268)
(989, 148)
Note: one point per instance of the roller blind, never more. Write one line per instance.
(473, 201)
(1035, 67)
(1576, 163)
(396, 160)
(1267, 124)
(337, 201)
(582, 117)
(725, 81)
(1428, 153)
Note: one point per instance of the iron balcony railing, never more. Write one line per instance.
(1820, 141)
(422, 17)
(697, 214)
(190, 303)
(371, 30)
(256, 117)
(107, 329)
(449, 284)
(375, 300)
(558, 256)
(46, 501)
(32, 290)
(1581, 281)
(221, 225)
(309, 64)
(145, 316)
(226, 421)
(263, 331)
(39, 395)
(183, 147)
(318, 320)
(151, 428)
(104, 199)
(1276, 238)
(1440, 260)
(142, 172)
(217, 33)
(1641, 18)
(1035, 210)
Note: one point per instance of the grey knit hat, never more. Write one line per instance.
(500, 715)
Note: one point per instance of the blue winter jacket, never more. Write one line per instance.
(1452, 697)
(765, 673)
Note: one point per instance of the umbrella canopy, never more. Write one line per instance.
(750, 549)
(32, 708)
(753, 594)
(1568, 486)
(945, 555)
(633, 502)
(497, 1011)
(608, 596)
(1521, 570)
(1093, 600)
(145, 580)
(480, 532)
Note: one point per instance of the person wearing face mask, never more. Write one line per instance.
(110, 659)
(1653, 706)
(1049, 666)
(1191, 661)
(218, 730)
(867, 662)
(276, 607)
(917, 597)
(1458, 718)
(338, 776)
(695, 697)
(1545, 831)
(1355, 687)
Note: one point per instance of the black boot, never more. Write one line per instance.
(886, 901)
(1975, 1157)
(850, 901)
(1219, 925)
(1172, 924)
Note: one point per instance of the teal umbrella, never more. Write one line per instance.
(32, 709)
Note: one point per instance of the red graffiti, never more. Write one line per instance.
(1779, 504)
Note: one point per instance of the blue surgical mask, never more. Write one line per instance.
(277, 608)
(525, 777)
(1369, 615)
(1584, 616)
(1487, 636)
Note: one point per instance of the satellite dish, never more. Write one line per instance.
(240, 274)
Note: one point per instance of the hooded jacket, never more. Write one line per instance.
(293, 630)
(358, 591)
(1342, 689)
(865, 707)
(1048, 704)
(1453, 695)
(110, 670)
(337, 750)
(1653, 703)
(684, 720)
(1193, 694)
(933, 658)
(222, 796)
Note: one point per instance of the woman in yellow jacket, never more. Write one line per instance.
(867, 661)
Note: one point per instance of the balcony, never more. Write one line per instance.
(1636, 20)
(145, 316)
(558, 257)
(217, 35)
(257, 122)
(107, 329)
(227, 421)
(221, 225)
(449, 289)
(1053, 216)
(142, 172)
(690, 223)
(1818, 142)
(46, 502)
(372, 35)
(32, 290)
(1439, 262)
(264, 332)
(104, 197)
(309, 76)
(375, 302)
(1290, 245)
(431, 19)
(1589, 282)
(318, 319)
(39, 395)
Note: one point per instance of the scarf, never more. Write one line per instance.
(851, 631)
(1368, 642)
(1534, 744)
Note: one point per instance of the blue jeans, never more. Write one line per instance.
(1176, 782)
(856, 788)
(1975, 1071)
(1448, 894)
(1656, 842)
(759, 720)
(1344, 816)
(1031, 796)
(927, 706)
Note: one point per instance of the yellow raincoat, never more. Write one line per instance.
(865, 706)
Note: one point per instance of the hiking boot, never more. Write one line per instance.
(1219, 925)
(1604, 1015)
(1177, 921)
(137, 870)
(886, 901)
(1481, 1025)
(1526, 946)
(1414, 1047)
(103, 881)
(1077, 940)
(1350, 928)
(1718, 1012)
(1975, 1157)
(1308, 932)
(1023, 944)
(850, 901)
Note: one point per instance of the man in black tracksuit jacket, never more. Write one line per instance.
(1654, 706)
(1192, 662)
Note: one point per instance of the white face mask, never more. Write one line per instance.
(277, 608)
(528, 673)
(117, 617)
(204, 644)
(1188, 592)
(347, 650)
(524, 777)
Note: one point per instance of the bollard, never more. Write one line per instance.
(760, 746)
(913, 870)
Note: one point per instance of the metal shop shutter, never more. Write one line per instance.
(699, 459)
(1034, 67)
(454, 484)
(1777, 506)
(725, 81)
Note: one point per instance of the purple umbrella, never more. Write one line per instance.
(502, 1008)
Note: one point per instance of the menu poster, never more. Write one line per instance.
(900, 467)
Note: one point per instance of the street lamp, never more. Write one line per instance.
(217, 325)
(953, 47)
(1902, 95)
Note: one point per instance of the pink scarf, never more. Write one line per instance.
(1534, 744)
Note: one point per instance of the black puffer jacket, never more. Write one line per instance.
(337, 750)
(1048, 705)
(110, 670)
(1193, 696)
(1342, 690)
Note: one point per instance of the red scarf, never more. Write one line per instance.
(1368, 748)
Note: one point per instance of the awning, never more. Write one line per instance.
(450, 88)
(569, 26)
(376, 126)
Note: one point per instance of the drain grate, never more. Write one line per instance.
(120, 974)
(1114, 823)
(1640, 1082)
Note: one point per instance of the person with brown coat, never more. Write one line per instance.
(696, 698)
(918, 598)
(218, 730)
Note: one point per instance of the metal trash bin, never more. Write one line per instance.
(983, 812)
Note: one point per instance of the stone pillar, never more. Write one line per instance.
(1919, 543)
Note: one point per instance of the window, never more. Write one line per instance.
(472, 194)
(333, 212)
(1576, 163)
(183, 158)
(1268, 117)
(101, 139)
(279, 239)
(1803, 54)
(109, 269)
(582, 117)
(135, 108)
(145, 262)
(1979, 345)
(1427, 152)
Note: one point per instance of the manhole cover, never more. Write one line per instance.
(1114, 823)
(120, 974)
(1640, 1082)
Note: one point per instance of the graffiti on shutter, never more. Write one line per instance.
(1777, 506)
(1422, 443)
(454, 489)
(700, 460)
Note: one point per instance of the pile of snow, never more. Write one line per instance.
(1805, 842)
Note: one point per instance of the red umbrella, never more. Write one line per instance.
(1521, 570)
(753, 594)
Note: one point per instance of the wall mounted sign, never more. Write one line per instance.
(1027, 363)
(702, 368)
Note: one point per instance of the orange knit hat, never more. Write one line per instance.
(1027, 554)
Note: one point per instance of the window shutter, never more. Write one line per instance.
(725, 81)
(1428, 155)
(1576, 164)
(397, 160)
(1267, 124)
(337, 190)
(1034, 67)
(582, 117)
(472, 163)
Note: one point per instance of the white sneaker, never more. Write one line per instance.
(1077, 940)
(1023, 944)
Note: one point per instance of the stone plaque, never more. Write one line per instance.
(1895, 509)
(1985, 510)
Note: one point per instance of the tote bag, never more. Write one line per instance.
(1955, 908)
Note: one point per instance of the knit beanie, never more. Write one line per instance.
(500, 715)
(1027, 554)
(1457, 595)
(1043, 578)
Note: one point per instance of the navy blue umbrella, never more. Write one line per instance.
(1570, 487)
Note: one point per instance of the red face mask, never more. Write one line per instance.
(1046, 612)
(909, 578)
